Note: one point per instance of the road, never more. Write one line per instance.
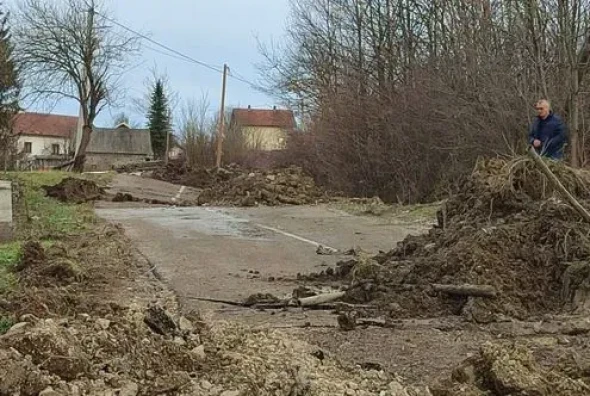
(230, 253)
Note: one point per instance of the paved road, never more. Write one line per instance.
(230, 253)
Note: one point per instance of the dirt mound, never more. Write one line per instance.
(73, 190)
(505, 229)
(507, 370)
(69, 353)
(37, 267)
(241, 187)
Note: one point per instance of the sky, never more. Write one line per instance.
(211, 31)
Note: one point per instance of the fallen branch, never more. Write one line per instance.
(485, 291)
(320, 299)
(558, 185)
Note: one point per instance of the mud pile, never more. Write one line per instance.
(506, 229)
(507, 370)
(241, 187)
(73, 190)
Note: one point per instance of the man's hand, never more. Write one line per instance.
(536, 143)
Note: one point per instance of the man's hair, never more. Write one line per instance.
(543, 102)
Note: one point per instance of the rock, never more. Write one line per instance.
(17, 328)
(159, 321)
(199, 352)
(230, 393)
(103, 323)
(129, 389)
(185, 325)
(49, 392)
(206, 385)
(179, 341)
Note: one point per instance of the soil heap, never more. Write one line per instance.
(240, 187)
(73, 190)
(504, 228)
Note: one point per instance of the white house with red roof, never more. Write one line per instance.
(264, 129)
(44, 135)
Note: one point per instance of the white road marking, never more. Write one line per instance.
(179, 193)
(278, 231)
(288, 234)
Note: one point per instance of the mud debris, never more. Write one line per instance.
(504, 229)
(236, 186)
(507, 369)
(75, 190)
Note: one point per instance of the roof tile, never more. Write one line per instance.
(38, 124)
(264, 118)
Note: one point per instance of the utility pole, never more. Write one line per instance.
(168, 137)
(221, 127)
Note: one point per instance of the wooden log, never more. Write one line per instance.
(320, 299)
(558, 185)
(485, 291)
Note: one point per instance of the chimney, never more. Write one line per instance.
(274, 107)
(249, 107)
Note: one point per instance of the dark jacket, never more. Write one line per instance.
(552, 133)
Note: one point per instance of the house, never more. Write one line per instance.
(47, 140)
(263, 129)
(113, 147)
(43, 140)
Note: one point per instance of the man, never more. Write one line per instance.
(548, 133)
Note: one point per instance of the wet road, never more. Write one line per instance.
(230, 253)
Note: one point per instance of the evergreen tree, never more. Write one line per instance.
(159, 119)
(9, 93)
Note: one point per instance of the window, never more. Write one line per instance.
(28, 147)
(55, 149)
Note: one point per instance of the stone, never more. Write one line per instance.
(129, 389)
(17, 328)
(49, 391)
(179, 341)
(103, 323)
(230, 393)
(199, 352)
(206, 385)
(185, 325)
(6, 232)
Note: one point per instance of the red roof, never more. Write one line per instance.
(38, 124)
(264, 118)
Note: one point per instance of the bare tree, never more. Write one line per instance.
(71, 49)
(402, 96)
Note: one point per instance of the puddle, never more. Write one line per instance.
(181, 222)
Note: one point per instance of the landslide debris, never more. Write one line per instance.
(505, 228)
(74, 190)
(240, 187)
(507, 369)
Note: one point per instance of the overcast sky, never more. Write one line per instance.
(212, 31)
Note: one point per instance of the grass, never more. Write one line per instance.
(419, 213)
(42, 218)
(5, 324)
(9, 256)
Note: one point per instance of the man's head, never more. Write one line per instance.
(543, 108)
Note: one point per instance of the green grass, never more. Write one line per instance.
(9, 256)
(418, 213)
(5, 324)
(41, 217)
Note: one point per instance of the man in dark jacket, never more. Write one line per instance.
(548, 133)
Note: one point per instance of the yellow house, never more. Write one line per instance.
(263, 129)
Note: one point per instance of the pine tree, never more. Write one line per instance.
(159, 119)
(9, 93)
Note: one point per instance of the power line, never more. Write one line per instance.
(143, 36)
(179, 55)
